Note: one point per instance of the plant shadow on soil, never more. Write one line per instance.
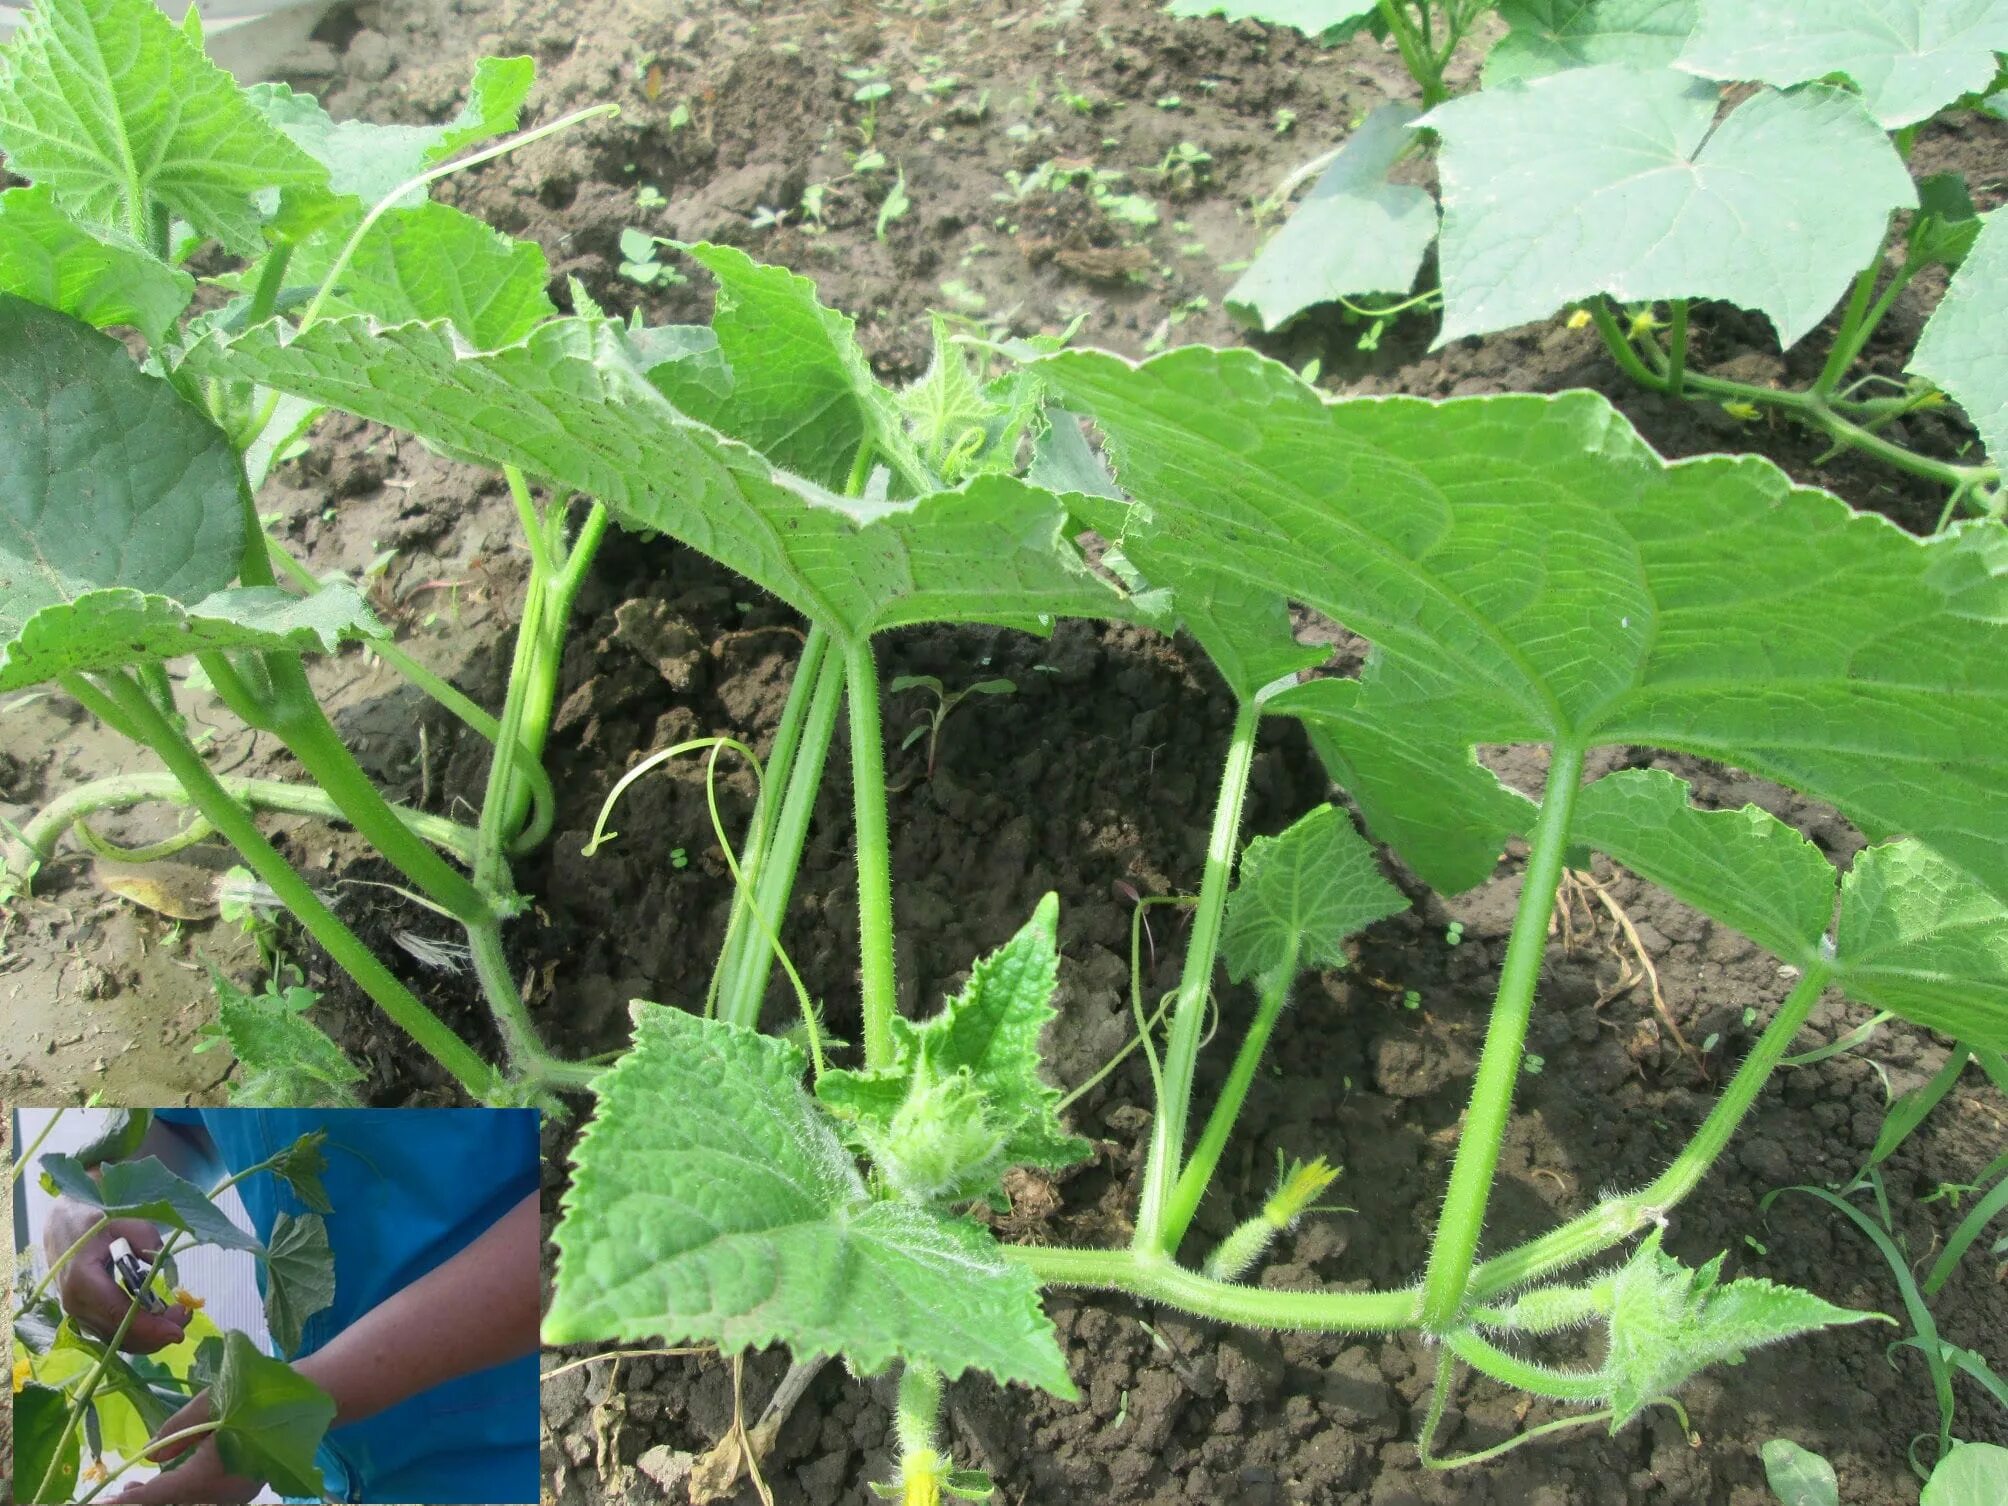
(1094, 779)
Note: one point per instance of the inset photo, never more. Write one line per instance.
(223, 1305)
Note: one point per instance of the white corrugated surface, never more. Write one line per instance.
(251, 38)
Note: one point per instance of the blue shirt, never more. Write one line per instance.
(411, 1188)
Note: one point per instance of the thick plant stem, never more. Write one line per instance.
(918, 1417)
(1464, 1204)
(235, 825)
(26, 1157)
(743, 987)
(1676, 347)
(1162, 1280)
(1845, 343)
(1181, 1056)
(527, 1054)
(874, 847)
(1617, 1219)
(1198, 1173)
(1527, 1375)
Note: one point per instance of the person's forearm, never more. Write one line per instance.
(478, 1309)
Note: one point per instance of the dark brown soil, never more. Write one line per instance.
(1096, 779)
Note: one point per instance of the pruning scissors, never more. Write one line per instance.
(134, 1278)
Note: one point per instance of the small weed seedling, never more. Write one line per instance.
(944, 702)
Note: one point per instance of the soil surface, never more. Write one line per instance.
(1094, 779)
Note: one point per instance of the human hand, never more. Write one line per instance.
(201, 1478)
(86, 1287)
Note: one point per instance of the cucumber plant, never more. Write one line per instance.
(73, 1387)
(1599, 170)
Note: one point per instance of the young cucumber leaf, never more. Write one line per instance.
(741, 1220)
(97, 275)
(299, 1277)
(271, 1419)
(1919, 937)
(1549, 36)
(300, 1166)
(962, 1099)
(284, 1058)
(1302, 894)
(1619, 180)
(123, 118)
(1354, 234)
(1312, 17)
(40, 1415)
(569, 405)
(146, 1189)
(122, 517)
(1962, 349)
(802, 391)
(1669, 1321)
(1528, 570)
(1910, 58)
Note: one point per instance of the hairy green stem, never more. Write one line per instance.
(1611, 1222)
(1167, 1134)
(528, 1057)
(744, 974)
(22, 1161)
(879, 989)
(68, 1255)
(1676, 347)
(1160, 1279)
(918, 1416)
(271, 281)
(1463, 1218)
(1198, 1173)
(234, 823)
(1526, 1375)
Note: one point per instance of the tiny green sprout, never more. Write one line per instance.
(1410, 999)
(1755, 1244)
(1714, 1039)
(1749, 1016)
(679, 858)
(871, 93)
(1534, 1064)
(871, 160)
(930, 722)
(679, 117)
(767, 218)
(638, 260)
(648, 196)
(1286, 120)
(1168, 102)
(1454, 934)
(894, 207)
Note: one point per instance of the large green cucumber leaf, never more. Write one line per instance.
(1312, 17)
(1549, 36)
(740, 1219)
(147, 1189)
(1301, 894)
(270, 1419)
(1920, 938)
(802, 391)
(97, 275)
(1529, 571)
(299, 1277)
(569, 405)
(41, 1414)
(1910, 58)
(962, 1098)
(1355, 233)
(118, 113)
(1964, 348)
(367, 161)
(1620, 181)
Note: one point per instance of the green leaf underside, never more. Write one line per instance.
(367, 161)
(1312, 17)
(106, 103)
(986, 1039)
(1529, 571)
(740, 1219)
(1972, 1474)
(1669, 1321)
(1964, 348)
(299, 1277)
(1744, 868)
(568, 405)
(1918, 937)
(1549, 36)
(1301, 894)
(39, 1414)
(300, 1166)
(1354, 234)
(285, 1060)
(1619, 181)
(146, 1189)
(802, 391)
(1910, 58)
(272, 1419)
(97, 275)
(123, 1132)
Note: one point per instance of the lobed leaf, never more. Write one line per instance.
(147, 1189)
(119, 115)
(569, 405)
(299, 1277)
(300, 1166)
(1355, 233)
(270, 1418)
(1669, 1321)
(287, 1061)
(1529, 571)
(40, 1413)
(94, 274)
(1620, 181)
(1962, 348)
(1550, 36)
(1919, 937)
(741, 1220)
(1909, 58)
(1300, 895)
